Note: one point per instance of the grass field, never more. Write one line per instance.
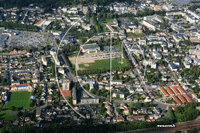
(101, 64)
(19, 99)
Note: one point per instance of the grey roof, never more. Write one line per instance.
(186, 62)
(181, 2)
(74, 93)
(173, 66)
(197, 60)
(90, 46)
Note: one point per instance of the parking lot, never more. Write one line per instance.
(28, 39)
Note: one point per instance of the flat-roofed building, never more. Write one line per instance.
(186, 64)
(90, 48)
(74, 96)
(173, 67)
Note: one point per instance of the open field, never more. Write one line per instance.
(101, 64)
(19, 99)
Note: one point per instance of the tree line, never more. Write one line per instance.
(17, 26)
(104, 128)
(187, 113)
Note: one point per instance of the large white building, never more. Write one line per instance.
(90, 48)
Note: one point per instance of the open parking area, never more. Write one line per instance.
(28, 39)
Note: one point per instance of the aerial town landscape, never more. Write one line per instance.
(100, 66)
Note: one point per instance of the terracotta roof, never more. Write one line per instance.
(111, 28)
(38, 23)
(179, 88)
(126, 109)
(65, 93)
(175, 90)
(164, 91)
(188, 98)
(169, 90)
(182, 99)
(177, 100)
(157, 7)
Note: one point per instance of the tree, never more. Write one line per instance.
(118, 110)
(13, 108)
(92, 91)
(192, 130)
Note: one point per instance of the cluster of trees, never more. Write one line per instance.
(117, 127)
(192, 73)
(88, 72)
(196, 89)
(13, 108)
(17, 26)
(177, 16)
(153, 78)
(55, 25)
(187, 113)
(97, 26)
(55, 3)
(161, 62)
(148, 12)
(4, 81)
(82, 35)
(194, 7)
(139, 105)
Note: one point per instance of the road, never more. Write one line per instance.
(53, 43)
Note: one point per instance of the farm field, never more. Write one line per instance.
(19, 99)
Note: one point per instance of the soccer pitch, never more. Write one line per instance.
(19, 99)
(104, 64)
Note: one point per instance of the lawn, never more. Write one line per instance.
(106, 20)
(19, 99)
(101, 64)
(5, 115)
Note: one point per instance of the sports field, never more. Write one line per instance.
(19, 99)
(101, 64)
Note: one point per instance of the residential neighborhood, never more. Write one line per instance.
(92, 64)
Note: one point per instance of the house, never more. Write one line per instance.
(123, 106)
(27, 119)
(135, 112)
(107, 120)
(142, 111)
(116, 82)
(49, 99)
(120, 119)
(88, 116)
(126, 111)
(136, 117)
(118, 94)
